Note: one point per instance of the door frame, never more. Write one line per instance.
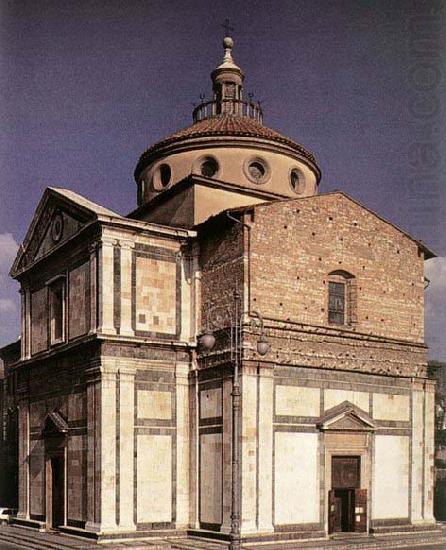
(60, 452)
(359, 444)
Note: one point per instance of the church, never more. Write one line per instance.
(239, 358)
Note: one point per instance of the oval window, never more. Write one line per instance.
(165, 174)
(209, 167)
(297, 181)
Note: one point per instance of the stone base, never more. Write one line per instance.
(116, 536)
(404, 528)
(260, 537)
(30, 523)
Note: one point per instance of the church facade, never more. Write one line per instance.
(126, 419)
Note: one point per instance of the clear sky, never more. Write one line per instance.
(87, 86)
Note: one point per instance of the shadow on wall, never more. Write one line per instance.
(440, 497)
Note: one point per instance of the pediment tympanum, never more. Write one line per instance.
(346, 417)
(60, 215)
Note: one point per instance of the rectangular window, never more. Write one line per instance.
(336, 303)
(57, 311)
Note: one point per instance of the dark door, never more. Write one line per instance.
(345, 480)
(57, 491)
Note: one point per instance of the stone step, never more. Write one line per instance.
(30, 538)
(27, 542)
(364, 542)
(195, 543)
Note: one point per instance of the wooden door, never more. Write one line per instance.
(345, 472)
(334, 513)
(360, 517)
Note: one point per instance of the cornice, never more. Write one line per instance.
(191, 143)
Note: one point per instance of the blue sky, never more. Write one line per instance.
(87, 86)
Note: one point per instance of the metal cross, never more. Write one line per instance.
(227, 27)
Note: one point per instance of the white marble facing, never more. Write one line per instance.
(249, 454)
(265, 436)
(183, 449)
(391, 407)
(211, 478)
(335, 397)
(108, 452)
(296, 478)
(154, 478)
(391, 477)
(297, 401)
(429, 416)
(210, 403)
(126, 450)
(417, 456)
(154, 404)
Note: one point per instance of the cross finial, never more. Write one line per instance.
(227, 27)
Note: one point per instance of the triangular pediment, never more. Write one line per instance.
(55, 425)
(346, 417)
(60, 215)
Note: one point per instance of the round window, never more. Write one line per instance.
(165, 174)
(297, 181)
(257, 170)
(209, 167)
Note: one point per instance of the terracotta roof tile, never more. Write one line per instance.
(225, 125)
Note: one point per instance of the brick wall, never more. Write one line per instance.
(296, 244)
(222, 245)
(292, 247)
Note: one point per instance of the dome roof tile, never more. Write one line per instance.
(222, 125)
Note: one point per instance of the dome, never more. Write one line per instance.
(229, 155)
(223, 125)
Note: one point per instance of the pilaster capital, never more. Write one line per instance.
(93, 374)
(110, 367)
(108, 241)
(266, 370)
(182, 372)
(127, 372)
(24, 288)
(126, 244)
(92, 247)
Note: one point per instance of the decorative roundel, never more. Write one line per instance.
(297, 181)
(57, 227)
(209, 167)
(257, 170)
